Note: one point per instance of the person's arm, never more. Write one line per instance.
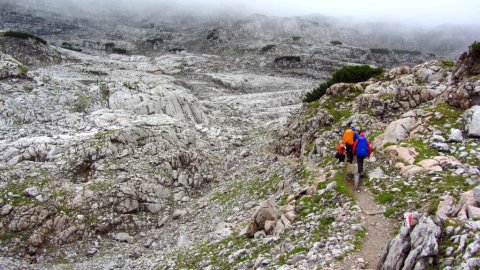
(354, 147)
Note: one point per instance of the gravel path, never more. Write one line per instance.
(379, 231)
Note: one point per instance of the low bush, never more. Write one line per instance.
(69, 46)
(474, 50)
(336, 42)
(23, 35)
(119, 50)
(175, 50)
(268, 47)
(380, 50)
(288, 58)
(407, 52)
(347, 74)
(296, 38)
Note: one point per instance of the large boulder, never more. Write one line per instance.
(10, 67)
(413, 247)
(471, 121)
(400, 129)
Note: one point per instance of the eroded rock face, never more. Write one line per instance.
(10, 68)
(400, 129)
(471, 119)
(412, 247)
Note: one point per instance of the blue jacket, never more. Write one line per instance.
(362, 147)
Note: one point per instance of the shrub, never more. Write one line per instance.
(104, 93)
(23, 35)
(69, 46)
(380, 50)
(446, 63)
(354, 74)
(213, 35)
(175, 50)
(23, 69)
(336, 42)
(119, 50)
(268, 47)
(109, 45)
(288, 58)
(81, 103)
(154, 40)
(408, 52)
(474, 50)
(347, 74)
(296, 38)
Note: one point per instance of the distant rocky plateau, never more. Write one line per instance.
(157, 144)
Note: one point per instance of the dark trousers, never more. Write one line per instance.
(360, 164)
(349, 149)
(340, 158)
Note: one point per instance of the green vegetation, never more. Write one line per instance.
(407, 52)
(288, 58)
(389, 212)
(341, 187)
(109, 46)
(119, 50)
(474, 50)
(358, 240)
(450, 115)
(81, 102)
(336, 42)
(103, 134)
(444, 63)
(380, 50)
(347, 74)
(69, 46)
(176, 50)
(104, 92)
(384, 197)
(23, 35)
(213, 35)
(254, 187)
(268, 47)
(296, 38)
(95, 72)
(423, 150)
(23, 69)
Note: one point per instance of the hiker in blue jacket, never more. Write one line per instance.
(361, 149)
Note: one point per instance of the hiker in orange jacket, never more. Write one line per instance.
(361, 149)
(340, 154)
(349, 138)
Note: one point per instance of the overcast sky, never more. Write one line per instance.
(407, 11)
(430, 12)
(427, 12)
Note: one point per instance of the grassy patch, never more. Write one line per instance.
(23, 69)
(423, 150)
(341, 187)
(101, 135)
(358, 240)
(384, 197)
(253, 186)
(389, 212)
(450, 115)
(444, 63)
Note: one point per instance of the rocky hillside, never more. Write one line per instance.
(175, 159)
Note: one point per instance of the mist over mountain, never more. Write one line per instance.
(211, 134)
(447, 38)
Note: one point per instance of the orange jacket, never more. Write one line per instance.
(348, 137)
(341, 149)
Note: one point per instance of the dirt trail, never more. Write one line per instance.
(379, 231)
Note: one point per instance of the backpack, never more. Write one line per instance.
(362, 147)
(341, 149)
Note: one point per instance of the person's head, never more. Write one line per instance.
(362, 134)
(352, 128)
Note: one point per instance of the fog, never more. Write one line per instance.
(409, 12)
